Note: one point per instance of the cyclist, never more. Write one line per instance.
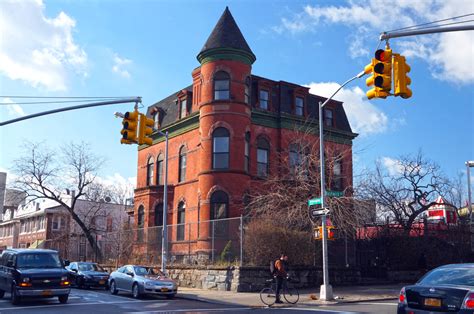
(281, 272)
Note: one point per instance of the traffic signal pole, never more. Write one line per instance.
(96, 104)
(423, 31)
(326, 289)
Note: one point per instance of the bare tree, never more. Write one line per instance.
(410, 189)
(283, 195)
(44, 174)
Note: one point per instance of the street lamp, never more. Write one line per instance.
(469, 164)
(325, 292)
(164, 230)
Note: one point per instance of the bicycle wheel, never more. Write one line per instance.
(267, 295)
(291, 295)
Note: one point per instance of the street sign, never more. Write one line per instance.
(315, 201)
(316, 212)
(334, 193)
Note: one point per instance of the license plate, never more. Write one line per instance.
(164, 289)
(101, 282)
(46, 293)
(433, 302)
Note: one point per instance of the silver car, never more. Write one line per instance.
(140, 280)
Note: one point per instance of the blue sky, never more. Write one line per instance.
(149, 48)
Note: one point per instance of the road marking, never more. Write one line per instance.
(376, 303)
(195, 310)
(313, 310)
(73, 304)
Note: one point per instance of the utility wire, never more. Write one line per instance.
(415, 26)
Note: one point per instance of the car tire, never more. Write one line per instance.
(136, 291)
(113, 287)
(63, 298)
(170, 296)
(15, 297)
(2, 294)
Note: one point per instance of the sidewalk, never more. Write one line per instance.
(252, 299)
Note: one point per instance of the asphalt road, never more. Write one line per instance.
(100, 301)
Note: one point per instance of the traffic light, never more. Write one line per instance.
(145, 130)
(332, 233)
(331, 230)
(318, 233)
(129, 129)
(381, 70)
(400, 78)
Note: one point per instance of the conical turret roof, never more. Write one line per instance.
(226, 35)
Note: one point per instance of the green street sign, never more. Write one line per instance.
(315, 201)
(334, 193)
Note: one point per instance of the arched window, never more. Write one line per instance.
(263, 149)
(181, 221)
(159, 215)
(220, 149)
(159, 170)
(141, 217)
(247, 152)
(221, 85)
(182, 164)
(149, 171)
(219, 210)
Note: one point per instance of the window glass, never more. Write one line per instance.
(219, 210)
(159, 215)
(159, 170)
(220, 148)
(38, 260)
(182, 164)
(149, 171)
(264, 99)
(89, 267)
(181, 221)
(299, 106)
(221, 85)
(262, 157)
(247, 152)
(449, 276)
(183, 109)
(141, 216)
(247, 90)
(156, 120)
(328, 117)
(140, 271)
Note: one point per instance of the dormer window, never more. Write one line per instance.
(263, 99)
(156, 120)
(328, 117)
(299, 106)
(221, 85)
(183, 109)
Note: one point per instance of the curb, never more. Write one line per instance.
(369, 300)
(199, 299)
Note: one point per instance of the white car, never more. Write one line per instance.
(140, 280)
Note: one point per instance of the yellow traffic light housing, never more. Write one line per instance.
(400, 78)
(129, 129)
(145, 130)
(381, 70)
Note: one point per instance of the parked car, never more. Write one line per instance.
(85, 275)
(140, 280)
(446, 289)
(33, 273)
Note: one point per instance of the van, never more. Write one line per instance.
(34, 273)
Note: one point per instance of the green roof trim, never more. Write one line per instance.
(226, 54)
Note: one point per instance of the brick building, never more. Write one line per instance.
(226, 131)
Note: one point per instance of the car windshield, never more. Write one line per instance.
(449, 276)
(141, 271)
(38, 260)
(90, 267)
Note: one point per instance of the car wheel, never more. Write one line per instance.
(136, 291)
(15, 297)
(170, 296)
(113, 288)
(2, 294)
(63, 298)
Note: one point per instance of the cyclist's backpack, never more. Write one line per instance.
(272, 268)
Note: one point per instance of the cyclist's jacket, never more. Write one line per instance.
(280, 270)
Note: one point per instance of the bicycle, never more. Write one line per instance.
(268, 294)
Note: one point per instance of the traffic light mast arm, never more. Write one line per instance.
(340, 87)
(432, 30)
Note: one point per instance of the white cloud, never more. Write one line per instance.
(119, 183)
(449, 55)
(119, 66)
(364, 117)
(38, 49)
(393, 166)
(13, 109)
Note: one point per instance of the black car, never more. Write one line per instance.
(86, 275)
(446, 289)
(33, 273)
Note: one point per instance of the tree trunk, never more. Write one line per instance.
(90, 237)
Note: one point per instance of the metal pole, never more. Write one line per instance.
(469, 164)
(164, 246)
(431, 30)
(97, 104)
(326, 289)
(241, 239)
(212, 240)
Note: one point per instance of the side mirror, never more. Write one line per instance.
(74, 270)
(130, 274)
(66, 262)
(10, 264)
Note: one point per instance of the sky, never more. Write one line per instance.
(148, 49)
